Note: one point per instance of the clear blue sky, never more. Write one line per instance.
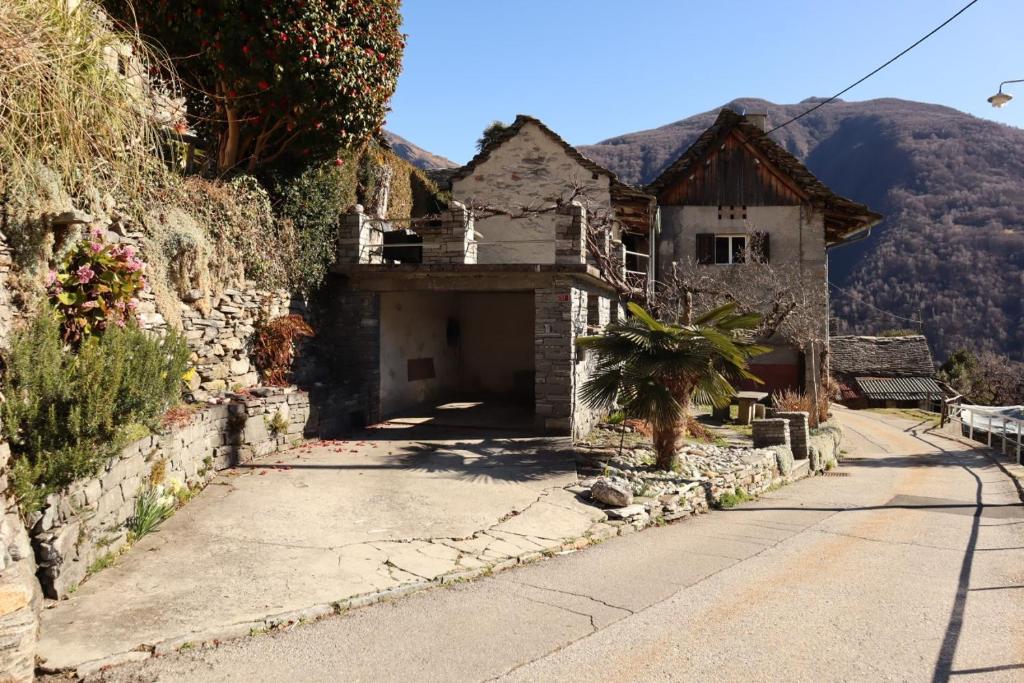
(592, 69)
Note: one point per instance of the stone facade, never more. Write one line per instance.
(20, 596)
(531, 167)
(87, 521)
(221, 338)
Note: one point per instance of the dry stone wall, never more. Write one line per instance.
(20, 597)
(221, 338)
(88, 521)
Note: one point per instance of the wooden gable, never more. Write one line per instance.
(732, 172)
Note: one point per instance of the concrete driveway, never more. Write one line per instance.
(319, 523)
(907, 567)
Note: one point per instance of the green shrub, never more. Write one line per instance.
(66, 412)
(313, 201)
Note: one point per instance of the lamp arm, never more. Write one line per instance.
(1019, 80)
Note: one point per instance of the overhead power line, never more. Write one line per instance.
(870, 305)
(856, 83)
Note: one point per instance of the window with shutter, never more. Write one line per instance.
(705, 248)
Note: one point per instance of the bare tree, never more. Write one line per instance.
(793, 303)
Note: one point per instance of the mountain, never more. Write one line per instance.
(951, 185)
(417, 156)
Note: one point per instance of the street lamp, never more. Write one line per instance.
(1001, 98)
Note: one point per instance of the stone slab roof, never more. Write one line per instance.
(907, 356)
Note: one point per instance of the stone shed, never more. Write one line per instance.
(884, 372)
(475, 306)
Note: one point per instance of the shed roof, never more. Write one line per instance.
(843, 216)
(899, 388)
(906, 356)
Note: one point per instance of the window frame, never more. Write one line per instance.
(732, 252)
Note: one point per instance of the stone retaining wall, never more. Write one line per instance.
(20, 597)
(88, 521)
(221, 338)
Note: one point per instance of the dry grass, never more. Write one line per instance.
(80, 126)
(789, 400)
(66, 106)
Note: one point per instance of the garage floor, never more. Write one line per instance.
(462, 416)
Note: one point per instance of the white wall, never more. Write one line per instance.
(533, 170)
(496, 341)
(796, 234)
(415, 325)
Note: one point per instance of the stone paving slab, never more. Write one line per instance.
(321, 525)
(332, 526)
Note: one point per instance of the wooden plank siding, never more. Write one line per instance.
(732, 174)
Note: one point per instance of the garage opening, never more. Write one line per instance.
(458, 357)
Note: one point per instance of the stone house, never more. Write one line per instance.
(485, 302)
(736, 197)
(885, 372)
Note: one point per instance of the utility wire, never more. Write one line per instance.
(870, 305)
(854, 85)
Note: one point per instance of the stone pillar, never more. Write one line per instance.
(461, 234)
(353, 352)
(571, 234)
(773, 432)
(799, 434)
(553, 358)
(360, 240)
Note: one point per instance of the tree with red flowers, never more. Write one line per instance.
(266, 79)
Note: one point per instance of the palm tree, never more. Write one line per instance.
(654, 370)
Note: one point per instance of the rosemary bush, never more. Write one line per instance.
(67, 412)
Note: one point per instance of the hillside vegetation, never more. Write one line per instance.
(951, 186)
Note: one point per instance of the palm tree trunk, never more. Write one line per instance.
(666, 439)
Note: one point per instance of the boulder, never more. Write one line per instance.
(611, 492)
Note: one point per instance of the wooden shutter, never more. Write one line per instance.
(759, 247)
(705, 247)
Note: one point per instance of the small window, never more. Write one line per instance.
(730, 249)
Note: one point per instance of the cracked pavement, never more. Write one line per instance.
(320, 524)
(907, 568)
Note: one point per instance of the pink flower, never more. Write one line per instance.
(133, 304)
(133, 265)
(97, 234)
(85, 274)
(128, 251)
(96, 247)
(51, 278)
(120, 323)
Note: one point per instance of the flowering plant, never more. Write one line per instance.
(96, 285)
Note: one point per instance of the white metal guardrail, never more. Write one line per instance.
(988, 424)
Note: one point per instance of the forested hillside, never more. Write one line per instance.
(951, 186)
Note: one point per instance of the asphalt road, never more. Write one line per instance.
(907, 566)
